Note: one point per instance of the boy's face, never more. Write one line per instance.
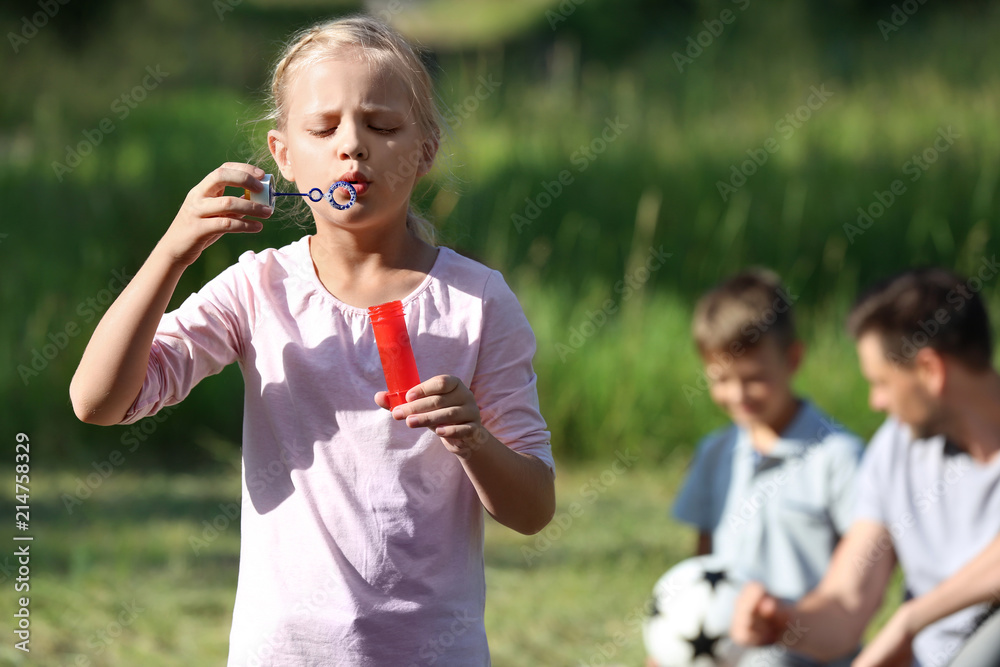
(754, 387)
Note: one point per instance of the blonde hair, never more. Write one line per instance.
(379, 46)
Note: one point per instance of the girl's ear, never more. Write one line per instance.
(428, 153)
(279, 151)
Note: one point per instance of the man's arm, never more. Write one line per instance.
(829, 621)
(978, 581)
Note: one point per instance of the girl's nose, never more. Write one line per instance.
(351, 146)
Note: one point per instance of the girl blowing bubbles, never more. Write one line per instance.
(362, 530)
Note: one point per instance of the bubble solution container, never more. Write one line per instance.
(398, 364)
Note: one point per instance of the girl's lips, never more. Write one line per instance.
(360, 187)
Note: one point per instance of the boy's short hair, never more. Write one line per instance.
(742, 311)
(925, 307)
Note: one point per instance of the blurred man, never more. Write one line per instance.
(929, 487)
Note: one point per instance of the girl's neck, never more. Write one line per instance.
(366, 269)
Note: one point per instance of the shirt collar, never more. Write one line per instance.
(809, 427)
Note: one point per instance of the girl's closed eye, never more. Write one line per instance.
(384, 130)
(323, 132)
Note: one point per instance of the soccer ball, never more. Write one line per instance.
(689, 616)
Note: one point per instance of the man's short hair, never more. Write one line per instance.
(925, 307)
(742, 311)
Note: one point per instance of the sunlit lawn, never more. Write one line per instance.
(118, 582)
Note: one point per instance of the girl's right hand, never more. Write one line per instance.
(207, 214)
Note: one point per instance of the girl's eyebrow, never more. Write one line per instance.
(367, 109)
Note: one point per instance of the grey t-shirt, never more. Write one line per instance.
(942, 508)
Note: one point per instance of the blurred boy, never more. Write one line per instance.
(771, 493)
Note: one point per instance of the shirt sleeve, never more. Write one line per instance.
(505, 384)
(873, 476)
(695, 504)
(846, 451)
(200, 338)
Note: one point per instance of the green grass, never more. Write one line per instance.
(553, 599)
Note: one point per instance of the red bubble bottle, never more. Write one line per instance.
(394, 349)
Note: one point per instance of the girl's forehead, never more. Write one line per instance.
(347, 81)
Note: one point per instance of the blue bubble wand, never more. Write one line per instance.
(267, 195)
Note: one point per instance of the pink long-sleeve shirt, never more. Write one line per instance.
(361, 538)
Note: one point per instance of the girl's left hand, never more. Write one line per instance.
(446, 406)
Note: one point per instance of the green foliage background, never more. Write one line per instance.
(560, 73)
